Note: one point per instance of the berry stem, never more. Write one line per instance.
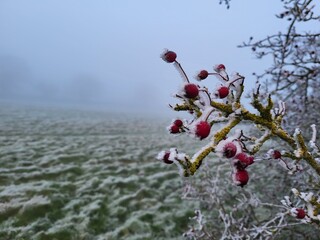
(181, 71)
(208, 114)
(286, 164)
(207, 94)
(220, 76)
(233, 81)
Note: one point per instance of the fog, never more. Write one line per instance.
(105, 53)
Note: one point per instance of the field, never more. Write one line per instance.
(75, 174)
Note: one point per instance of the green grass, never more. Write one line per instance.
(107, 181)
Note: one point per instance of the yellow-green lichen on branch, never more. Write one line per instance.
(198, 158)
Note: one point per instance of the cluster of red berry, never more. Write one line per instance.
(222, 91)
(197, 100)
(190, 92)
(201, 127)
(240, 160)
(176, 127)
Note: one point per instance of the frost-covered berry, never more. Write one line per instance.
(169, 56)
(191, 90)
(250, 160)
(178, 123)
(164, 156)
(202, 129)
(300, 213)
(229, 150)
(240, 177)
(223, 91)
(203, 74)
(174, 129)
(241, 157)
(276, 154)
(242, 160)
(220, 67)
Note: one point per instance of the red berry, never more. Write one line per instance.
(250, 160)
(276, 154)
(223, 92)
(241, 177)
(203, 129)
(174, 129)
(220, 67)
(191, 90)
(243, 160)
(229, 150)
(203, 74)
(300, 213)
(166, 158)
(178, 123)
(169, 56)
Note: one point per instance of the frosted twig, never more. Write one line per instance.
(183, 74)
(312, 142)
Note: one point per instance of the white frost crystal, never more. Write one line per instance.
(295, 191)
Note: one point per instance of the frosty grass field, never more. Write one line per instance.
(72, 174)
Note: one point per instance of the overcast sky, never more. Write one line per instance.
(106, 53)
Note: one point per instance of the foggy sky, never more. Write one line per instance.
(106, 53)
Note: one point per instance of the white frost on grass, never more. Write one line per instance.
(23, 203)
(109, 181)
(21, 189)
(33, 202)
(44, 156)
(12, 204)
(158, 175)
(87, 184)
